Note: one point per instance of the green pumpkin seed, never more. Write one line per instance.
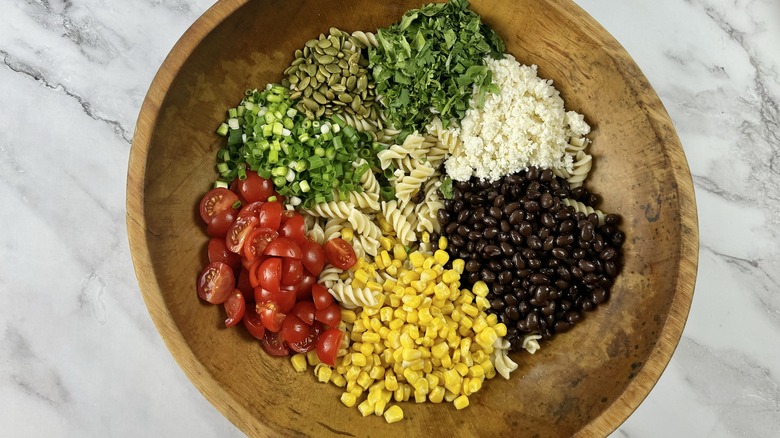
(346, 98)
(320, 112)
(296, 95)
(334, 32)
(333, 68)
(339, 103)
(307, 92)
(310, 104)
(311, 43)
(338, 88)
(354, 69)
(323, 70)
(330, 95)
(333, 80)
(319, 97)
(285, 83)
(293, 79)
(297, 60)
(351, 82)
(324, 59)
(304, 83)
(311, 69)
(323, 43)
(343, 63)
(355, 103)
(362, 83)
(332, 51)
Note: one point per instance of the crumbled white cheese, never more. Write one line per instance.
(524, 125)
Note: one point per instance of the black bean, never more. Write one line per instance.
(608, 254)
(503, 237)
(494, 265)
(518, 261)
(561, 326)
(457, 241)
(490, 221)
(539, 279)
(618, 238)
(495, 212)
(443, 216)
(507, 249)
(451, 227)
(546, 175)
(546, 201)
(470, 246)
(507, 263)
(586, 232)
(534, 242)
(479, 214)
(463, 230)
(534, 263)
(491, 232)
(586, 265)
(516, 217)
(458, 205)
(480, 245)
(531, 206)
(496, 304)
(525, 229)
(599, 296)
(487, 276)
(473, 266)
(512, 313)
(499, 201)
(463, 216)
(548, 243)
(474, 235)
(528, 253)
(506, 226)
(612, 219)
(548, 220)
(610, 267)
(560, 253)
(566, 226)
(491, 251)
(563, 240)
(505, 277)
(512, 206)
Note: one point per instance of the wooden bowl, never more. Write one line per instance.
(586, 381)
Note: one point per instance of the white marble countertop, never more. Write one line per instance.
(79, 355)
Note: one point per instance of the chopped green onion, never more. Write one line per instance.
(223, 129)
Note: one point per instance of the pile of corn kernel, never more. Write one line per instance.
(427, 340)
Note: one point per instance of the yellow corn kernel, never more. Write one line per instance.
(311, 358)
(422, 386)
(441, 257)
(428, 263)
(374, 286)
(392, 270)
(399, 252)
(379, 407)
(338, 380)
(459, 265)
(479, 356)
(366, 408)
(428, 275)
(436, 395)
(480, 323)
(461, 402)
(416, 258)
(465, 323)
(398, 394)
(449, 276)
(411, 375)
(476, 371)
(466, 386)
(370, 337)
(366, 350)
(360, 275)
(364, 379)
(443, 242)
(384, 225)
(394, 337)
(373, 397)
(454, 291)
(475, 385)
(465, 346)
(400, 314)
(348, 399)
(482, 303)
(347, 234)
(487, 336)
(426, 237)
(394, 414)
(446, 361)
(492, 319)
(355, 335)
(391, 383)
(480, 289)
(441, 291)
(439, 350)
(448, 307)
(466, 297)
(386, 243)
(358, 326)
(386, 314)
(457, 315)
(500, 329)
(324, 373)
(299, 362)
(348, 316)
(354, 389)
(419, 397)
(461, 369)
(424, 316)
(469, 310)
(411, 354)
(372, 311)
(406, 340)
(377, 372)
(352, 374)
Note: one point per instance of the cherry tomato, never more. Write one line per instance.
(340, 253)
(218, 252)
(234, 188)
(292, 272)
(244, 286)
(294, 228)
(271, 316)
(313, 257)
(221, 223)
(284, 298)
(239, 231)
(328, 346)
(330, 316)
(253, 323)
(293, 329)
(262, 295)
(321, 297)
(271, 215)
(269, 274)
(255, 188)
(216, 283)
(305, 311)
(274, 345)
(254, 272)
(284, 247)
(307, 345)
(257, 241)
(287, 215)
(215, 201)
(235, 306)
(303, 289)
(252, 209)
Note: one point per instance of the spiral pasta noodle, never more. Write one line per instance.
(531, 343)
(364, 200)
(581, 166)
(333, 227)
(406, 186)
(365, 226)
(426, 210)
(330, 275)
(579, 207)
(500, 358)
(339, 209)
(368, 181)
(397, 219)
(351, 297)
(316, 233)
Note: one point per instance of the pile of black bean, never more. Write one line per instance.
(543, 262)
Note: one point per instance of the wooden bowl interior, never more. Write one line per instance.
(587, 380)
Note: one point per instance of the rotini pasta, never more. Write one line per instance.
(316, 233)
(364, 200)
(330, 275)
(365, 226)
(368, 181)
(333, 227)
(398, 220)
(581, 165)
(500, 358)
(531, 343)
(339, 209)
(426, 210)
(580, 207)
(351, 297)
(406, 186)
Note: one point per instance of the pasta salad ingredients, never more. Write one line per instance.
(525, 125)
(429, 61)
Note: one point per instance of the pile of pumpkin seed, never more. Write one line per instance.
(329, 76)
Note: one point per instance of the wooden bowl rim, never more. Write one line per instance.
(606, 422)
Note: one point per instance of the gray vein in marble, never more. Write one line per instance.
(745, 392)
(15, 65)
(29, 373)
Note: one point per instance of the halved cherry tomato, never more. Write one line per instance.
(238, 232)
(257, 241)
(307, 345)
(274, 345)
(221, 222)
(303, 289)
(286, 215)
(285, 298)
(269, 274)
(234, 188)
(235, 306)
(330, 316)
(305, 311)
(292, 272)
(313, 257)
(216, 282)
(244, 286)
(294, 228)
(218, 252)
(252, 209)
(328, 346)
(271, 316)
(262, 295)
(215, 201)
(271, 215)
(254, 270)
(284, 247)
(253, 323)
(293, 329)
(255, 188)
(321, 297)
(340, 253)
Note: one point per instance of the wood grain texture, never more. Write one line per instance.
(585, 382)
